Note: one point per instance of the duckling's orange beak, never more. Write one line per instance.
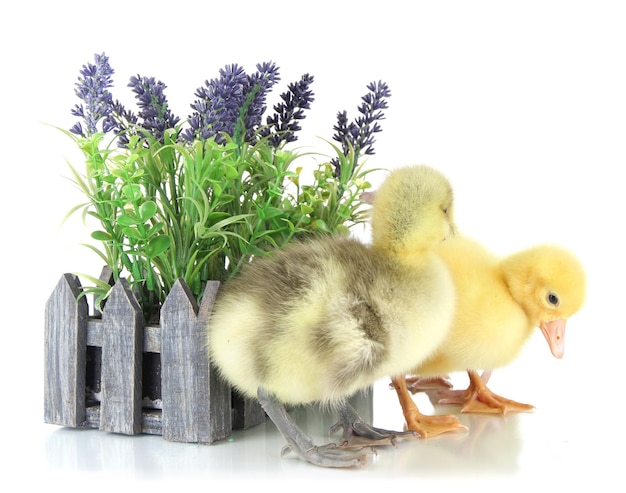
(554, 333)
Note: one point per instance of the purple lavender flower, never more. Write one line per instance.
(92, 88)
(122, 122)
(259, 85)
(234, 103)
(154, 111)
(217, 106)
(284, 123)
(359, 135)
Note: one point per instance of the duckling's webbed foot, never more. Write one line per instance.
(417, 384)
(479, 399)
(424, 426)
(302, 445)
(358, 433)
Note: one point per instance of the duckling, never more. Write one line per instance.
(499, 304)
(399, 220)
(402, 217)
(491, 295)
(319, 320)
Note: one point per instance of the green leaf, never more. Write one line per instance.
(230, 220)
(133, 233)
(119, 173)
(136, 271)
(270, 212)
(107, 260)
(226, 198)
(158, 245)
(101, 236)
(157, 228)
(127, 220)
(231, 173)
(147, 210)
(217, 189)
(131, 191)
(321, 226)
(138, 173)
(214, 217)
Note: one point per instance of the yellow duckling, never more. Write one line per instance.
(499, 301)
(317, 321)
(499, 304)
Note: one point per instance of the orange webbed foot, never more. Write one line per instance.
(477, 398)
(425, 426)
(417, 384)
(430, 426)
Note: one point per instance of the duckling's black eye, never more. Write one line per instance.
(553, 299)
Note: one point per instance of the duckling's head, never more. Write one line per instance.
(549, 283)
(412, 210)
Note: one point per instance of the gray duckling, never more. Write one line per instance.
(319, 320)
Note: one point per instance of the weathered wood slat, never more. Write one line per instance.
(151, 336)
(196, 403)
(219, 424)
(150, 420)
(65, 347)
(122, 348)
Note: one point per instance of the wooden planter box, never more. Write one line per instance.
(113, 372)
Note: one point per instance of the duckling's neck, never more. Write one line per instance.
(412, 258)
(515, 274)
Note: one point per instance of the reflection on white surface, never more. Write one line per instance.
(514, 448)
(491, 447)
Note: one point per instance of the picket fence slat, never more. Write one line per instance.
(196, 404)
(122, 351)
(65, 335)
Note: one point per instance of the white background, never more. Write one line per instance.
(521, 104)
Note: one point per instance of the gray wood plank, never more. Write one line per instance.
(151, 336)
(219, 424)
(196, 403)
(122, 345)
(65, 336)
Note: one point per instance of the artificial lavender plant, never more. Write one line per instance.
(198, 198)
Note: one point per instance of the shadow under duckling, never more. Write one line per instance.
(317, 321)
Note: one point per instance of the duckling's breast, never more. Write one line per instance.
(489, 328)
(423, 313)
